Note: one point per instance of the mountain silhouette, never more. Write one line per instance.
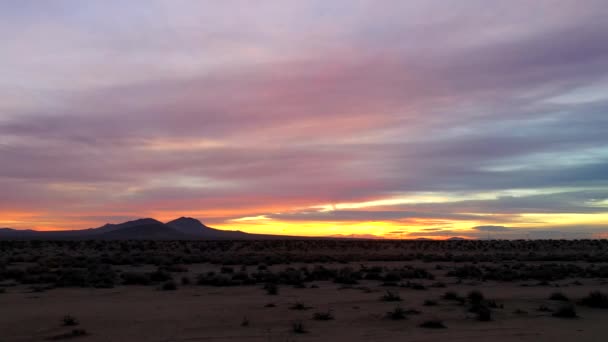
(194, 227)
(183, 228)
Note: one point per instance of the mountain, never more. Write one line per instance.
(9, 232)
(145, 231)
(194, 227)
(183, 228)
(112, 227)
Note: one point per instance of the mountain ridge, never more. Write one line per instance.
(183, 228)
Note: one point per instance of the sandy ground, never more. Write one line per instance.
(198, 313)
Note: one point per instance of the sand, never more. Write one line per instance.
(203, 313)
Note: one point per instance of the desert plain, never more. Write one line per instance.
(309, 290)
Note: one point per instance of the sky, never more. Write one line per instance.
(395, 119)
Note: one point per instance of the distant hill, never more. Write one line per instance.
(190, 226)
(183, 228)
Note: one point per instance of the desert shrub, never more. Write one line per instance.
(16, 274)
(271, 289)
(160, 275)
(226, 269)
(543, 308)
(347, 276)
(558, 296)
(565, 311)
(453, 296)
(475, 297)
(396, 314)
(242, 278)
(491, 303)
(484, 313)
(430, 302)
(391, 277)
(466, 272)
(412, 312)
(415, 286)
(72, 334)
(390, 296)
(73, 278)
(595, 299)
(213, 279)
(135, 278)
(101, 276)
(299, 306)
(68, 320)
(176, 268)
(409, 272)
(297, 327)
(169, 286)
(433, 324)
(323, 316)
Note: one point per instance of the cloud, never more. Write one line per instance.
(491, 228)
(276, 110)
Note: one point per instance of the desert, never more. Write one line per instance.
(303, 290)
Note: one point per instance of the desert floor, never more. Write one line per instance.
(204, 313)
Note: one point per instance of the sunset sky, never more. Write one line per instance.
(388, 118)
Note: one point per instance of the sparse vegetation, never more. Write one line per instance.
(475, 297)
(323, 316)
(72, 334)
(396, 314)
(433, 324)
(299, 306)
(367, 269)
(565, 311)
(430, 302)
(390, 296)
(297, 327)
(271, 289)
(68, 320)
(453, 296)
(484, 313)
(544, 308)
(595, 299)
(169, 286)
(558, 296)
